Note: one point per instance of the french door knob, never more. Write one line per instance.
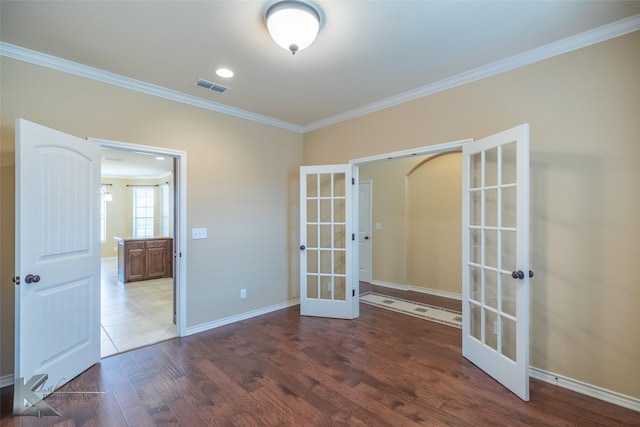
(518, 275)
(303, 247)
(32, 278)
(16, 280)
(366, 237)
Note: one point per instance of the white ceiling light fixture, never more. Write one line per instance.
(224, 73)
(293, 24)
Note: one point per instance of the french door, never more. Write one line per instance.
(495, 257)
(328, 285)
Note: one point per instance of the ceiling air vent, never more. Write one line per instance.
(211, 85)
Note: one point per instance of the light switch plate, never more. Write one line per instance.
(378, 226)
(198, 233)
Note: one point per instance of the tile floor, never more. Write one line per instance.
(134, 314)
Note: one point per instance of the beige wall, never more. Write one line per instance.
(242, 185)
(584, 112)
(434, 218)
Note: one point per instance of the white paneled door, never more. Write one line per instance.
(364, 231)
(57, 256)
(495, 257)
(328, 285)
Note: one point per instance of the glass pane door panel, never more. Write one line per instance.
(312, 185)
(325, 288)
(339, 210)
(339, 262)
(339, 236)
(312, 210)
(508, 291)
(475, 317)
(508, 207)
(475, 276)
(338, 185)
(475, 208)
(491, 207)
(312, 286)
(325, 262)
(475, 174)
(491, 288)
(508, 261)
(475, 236)
(340, 288)
(491, 168)
(312, 236)
(325, 210)
(325, 185)
(490, 329)
(509, 163)
(509, 338)
(491, 248)
(325, 236)
(312, 261)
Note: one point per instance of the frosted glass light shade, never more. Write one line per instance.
(293, 25)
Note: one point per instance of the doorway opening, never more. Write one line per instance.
(142, 274)
(402, 227)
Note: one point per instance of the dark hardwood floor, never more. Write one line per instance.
(281, 369)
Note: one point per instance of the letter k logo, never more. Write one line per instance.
(25, 391)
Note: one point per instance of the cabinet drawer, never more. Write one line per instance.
(157, 244)
(135, 245)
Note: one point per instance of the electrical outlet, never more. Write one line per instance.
(243, 293)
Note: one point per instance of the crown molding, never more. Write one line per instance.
(578, 41)
(59, 64)
(587, 38)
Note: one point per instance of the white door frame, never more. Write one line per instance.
(180, 237)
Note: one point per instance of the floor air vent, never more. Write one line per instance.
(211, 85)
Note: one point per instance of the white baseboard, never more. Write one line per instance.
(6, 380)
(586, 389)
(419, 289)
(390, 285)
(237, 318)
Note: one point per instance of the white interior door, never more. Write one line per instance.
(495, 257)
(57, 255)
(364, 230)
(327, 285)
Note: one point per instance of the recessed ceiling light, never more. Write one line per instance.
(224, 73)
(159, 158)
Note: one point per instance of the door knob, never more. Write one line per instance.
(32, 278)
(366, 237)
(303, 247)
(520, 275)
(16, 280)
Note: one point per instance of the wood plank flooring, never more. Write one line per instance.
(281, 369)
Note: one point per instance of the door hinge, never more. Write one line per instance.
(353, 181)
(353, 292)
(353, 237)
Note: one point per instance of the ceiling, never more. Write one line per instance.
(366, 51)
(131, 164)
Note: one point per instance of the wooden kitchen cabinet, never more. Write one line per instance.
(144, 259)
